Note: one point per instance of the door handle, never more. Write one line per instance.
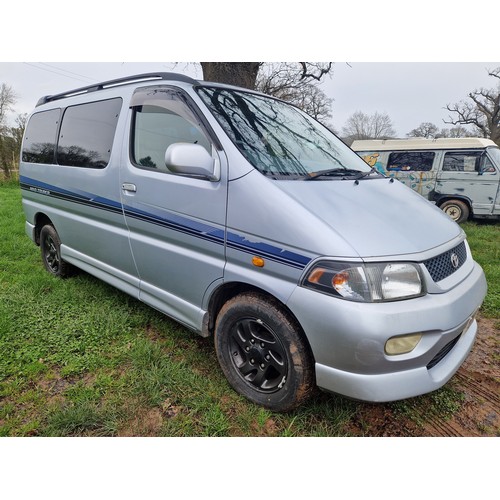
(128, 186)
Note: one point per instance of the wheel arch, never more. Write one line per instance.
(41, 220)
(440, 199)
(227, 291)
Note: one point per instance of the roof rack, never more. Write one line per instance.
(113, 83)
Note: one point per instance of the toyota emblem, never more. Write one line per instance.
(455, 261)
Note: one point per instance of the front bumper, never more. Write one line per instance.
(348, 339)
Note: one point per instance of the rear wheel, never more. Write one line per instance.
(262, 352)
(50, 247)
(456, 209)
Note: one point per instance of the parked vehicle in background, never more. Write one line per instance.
(461, 176)
(244, 219)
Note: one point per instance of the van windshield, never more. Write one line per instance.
(278, 139)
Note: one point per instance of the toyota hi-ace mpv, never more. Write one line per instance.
(241, 217)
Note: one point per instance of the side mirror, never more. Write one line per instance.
(191, 159)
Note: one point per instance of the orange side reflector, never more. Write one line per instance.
(258, 261)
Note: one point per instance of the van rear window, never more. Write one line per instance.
(40, 137)
(410, 161)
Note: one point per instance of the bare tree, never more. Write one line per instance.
(295, 82)
(362, 126)
(426, 129)
(17, 132)
(457, 131)
(7, 101)
(482, 111)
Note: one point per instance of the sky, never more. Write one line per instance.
(409, 92)
(407, 60)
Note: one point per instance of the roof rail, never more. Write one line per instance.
(119, 81)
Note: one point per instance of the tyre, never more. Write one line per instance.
(262, 352)
(456, 209)
(50, 247)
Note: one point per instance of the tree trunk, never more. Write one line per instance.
(241, 74)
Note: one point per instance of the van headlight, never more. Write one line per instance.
(366, 282)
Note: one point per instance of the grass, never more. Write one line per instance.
(484, 240)
(79, 358)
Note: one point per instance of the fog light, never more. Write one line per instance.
(402, 344)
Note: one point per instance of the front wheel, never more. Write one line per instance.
(262, 352)
(456, 209)
(50, 247)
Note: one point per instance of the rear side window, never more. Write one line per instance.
(87, 133)
(410, 161)
(40, 137)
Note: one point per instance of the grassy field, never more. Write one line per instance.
(79, 358)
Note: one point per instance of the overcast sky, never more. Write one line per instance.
(410, 93)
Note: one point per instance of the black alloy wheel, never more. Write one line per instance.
(50, 248)
(258, 355)
(263, 352)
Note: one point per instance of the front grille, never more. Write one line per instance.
(444, 265)
(442, 353)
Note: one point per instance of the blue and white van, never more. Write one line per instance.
(246, 220)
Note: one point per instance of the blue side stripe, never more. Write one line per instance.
(173, 221)
(266, 250)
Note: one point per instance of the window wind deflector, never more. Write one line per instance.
(335, 172)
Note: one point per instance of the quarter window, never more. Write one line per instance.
(87, 133)
(40, 138)
(410, 161)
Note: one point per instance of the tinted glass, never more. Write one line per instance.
(276, 138)
(165, 120)
(410, 161)
(40, 138)
(87, 133)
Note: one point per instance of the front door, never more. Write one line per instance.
(472, 175)
(176, 223)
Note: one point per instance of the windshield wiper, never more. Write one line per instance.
(373, 170)
(334, 172)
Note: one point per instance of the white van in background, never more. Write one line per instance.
(461, 176)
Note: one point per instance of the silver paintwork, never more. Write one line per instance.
(200, 234)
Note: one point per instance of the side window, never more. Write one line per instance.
(161, 121)
(462, 161)
(487, 166)
(40, 137)
(87, 133)
(373, 159)
(410, 161)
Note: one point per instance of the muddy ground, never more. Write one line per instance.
(478, 411)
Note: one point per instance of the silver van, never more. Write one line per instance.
(244, 219)
(461, 176)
